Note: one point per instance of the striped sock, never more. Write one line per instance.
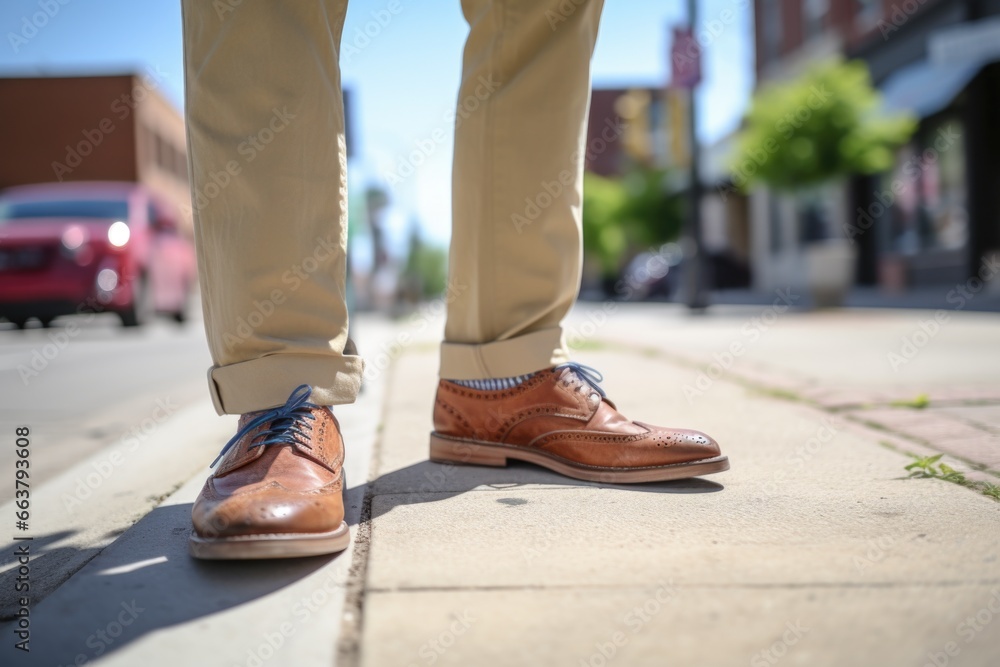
(493, 384)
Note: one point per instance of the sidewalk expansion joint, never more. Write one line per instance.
(352, 619)
(706, 586)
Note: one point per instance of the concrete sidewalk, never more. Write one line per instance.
(812, 550)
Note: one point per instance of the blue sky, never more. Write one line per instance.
(404, 81)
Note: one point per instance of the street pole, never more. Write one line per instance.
(695, 298)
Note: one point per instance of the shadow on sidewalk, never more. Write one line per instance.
(426, 482)
(147, 581)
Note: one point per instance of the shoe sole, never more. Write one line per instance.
(474, 452)
(275, 545)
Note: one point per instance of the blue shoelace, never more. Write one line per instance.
(286, 423)
(592, 376)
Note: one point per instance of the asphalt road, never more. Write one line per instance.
(81, 388)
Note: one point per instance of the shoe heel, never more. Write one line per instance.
(465, 453)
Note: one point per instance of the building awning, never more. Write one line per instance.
(926, 87)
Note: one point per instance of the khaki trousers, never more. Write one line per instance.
(268, 177)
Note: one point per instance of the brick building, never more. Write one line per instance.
(936, 59)
(85, 128)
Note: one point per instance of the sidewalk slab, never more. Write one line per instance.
(814, 524)
(704, 626)
(142, 600)
(178, 610)
(851, 361)
(838, 357)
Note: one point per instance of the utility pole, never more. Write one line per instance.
(696, 297)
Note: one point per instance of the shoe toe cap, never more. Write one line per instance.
(268, 510)
(688, 444)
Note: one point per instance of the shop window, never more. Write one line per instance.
(869, 12)
(926, 192)
(814, 15)
(775, 233)
(771, 29)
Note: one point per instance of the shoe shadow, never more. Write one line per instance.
(426, 481)
(145, 581)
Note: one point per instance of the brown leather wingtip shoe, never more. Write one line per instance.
(278, 489)
(561, 419)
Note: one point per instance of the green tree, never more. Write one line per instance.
(652, 214)
(603, 238)
(425, 274)
(619, 215)
(822, 126)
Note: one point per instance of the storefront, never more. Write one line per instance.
(937, 213)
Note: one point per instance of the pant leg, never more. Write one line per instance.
(516, 250)
(268, 165)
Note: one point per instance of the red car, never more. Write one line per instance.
(92, 247)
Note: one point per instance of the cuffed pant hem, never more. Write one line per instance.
(266, 382)
(505, 358)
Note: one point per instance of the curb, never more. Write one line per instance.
(83, 510)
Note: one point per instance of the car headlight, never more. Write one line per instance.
(118, 234)
(107, 279)
(74, 237)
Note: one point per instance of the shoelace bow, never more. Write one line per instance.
(286, 423)
(590, 375)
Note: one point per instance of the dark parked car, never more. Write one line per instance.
(86, 247)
